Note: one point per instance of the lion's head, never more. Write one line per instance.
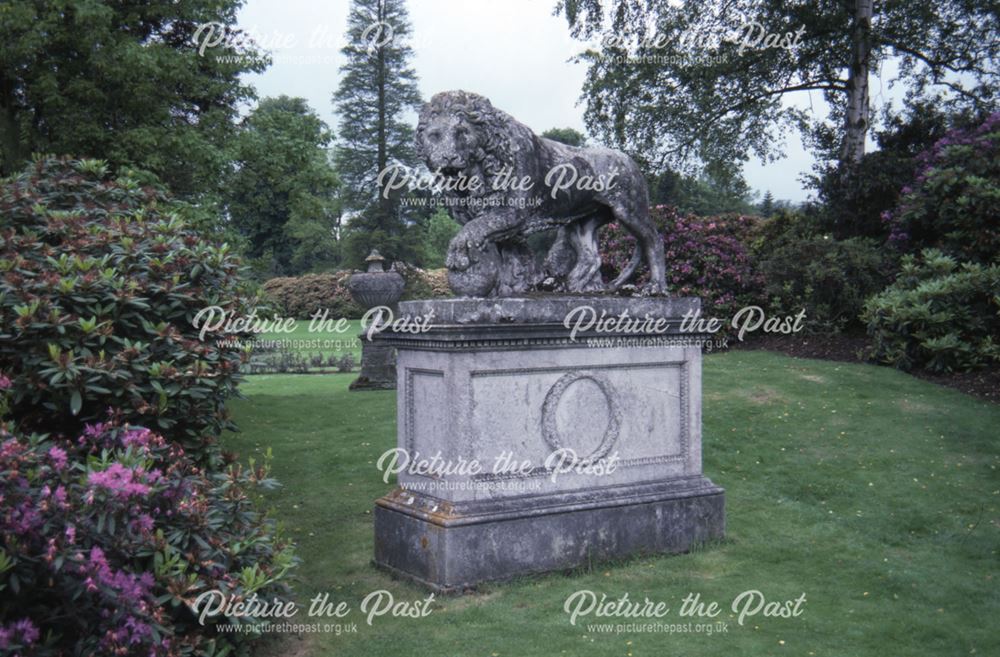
(458, 130)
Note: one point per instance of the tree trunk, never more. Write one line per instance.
(384, 204)
(856, 123)
(11, 151)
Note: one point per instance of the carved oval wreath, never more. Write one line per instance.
(552, 398)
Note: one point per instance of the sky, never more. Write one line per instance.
(515, 52)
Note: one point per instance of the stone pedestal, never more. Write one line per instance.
(376, 288)
(539, 450)
(378, 366)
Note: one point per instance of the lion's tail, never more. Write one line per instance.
(629, 269)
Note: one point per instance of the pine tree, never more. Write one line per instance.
(376, 88)
(767, 205)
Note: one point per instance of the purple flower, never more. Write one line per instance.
(60, 496)
(29, 633)
(118, 479)
(94, 431)
(58, 456)
(144, 523)
(141, 437)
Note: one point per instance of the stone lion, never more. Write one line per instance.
(502, 182)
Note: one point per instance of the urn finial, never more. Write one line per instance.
(375, 260)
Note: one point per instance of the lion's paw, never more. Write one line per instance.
(457, 259)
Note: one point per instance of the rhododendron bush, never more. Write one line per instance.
(116, 508)
(706, 257)
(106, 540)
(99, 283)
(954, 203)
(941, 313)
(805, 269)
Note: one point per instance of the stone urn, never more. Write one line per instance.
(376, 287)
(371, 289)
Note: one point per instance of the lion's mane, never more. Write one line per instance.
(495, 128)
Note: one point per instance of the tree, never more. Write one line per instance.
(567, 136)
(703, 195)
(767, 205)
(695, 82)
(438, 233)
(376, 88)
(283, 194)
(852, 202)
(144, 84)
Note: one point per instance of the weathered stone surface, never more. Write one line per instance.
(545, 309)
(376, 287)
(502, 182)
(503, 384)
(378, 367)
(455, 551)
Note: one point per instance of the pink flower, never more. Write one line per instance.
(123, 482)
(58, 456)
(93, 431)
(142, 437)
(144, 523)
(60, 497)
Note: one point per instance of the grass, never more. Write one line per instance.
(326, 340)
(872, 492)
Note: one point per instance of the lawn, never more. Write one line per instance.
(873, 493)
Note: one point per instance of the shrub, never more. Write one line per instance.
(345, 363)
(954, 204)
(424, 283)
(805, 270)
(705, 257)
(301, 296)
(278, 361)
(99, 284)
(854, 196)
(938, 315)
(106, 539)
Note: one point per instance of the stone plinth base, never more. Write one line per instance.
(585, 437)
(454, 549)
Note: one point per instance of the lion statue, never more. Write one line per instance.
(502, 183)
